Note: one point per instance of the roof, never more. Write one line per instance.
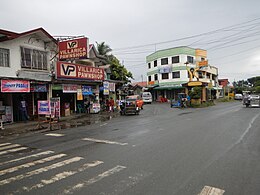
(6, 35)
(141, 84)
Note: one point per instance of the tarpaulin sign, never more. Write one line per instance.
(87, 90)
(44, 107)
(15, 86)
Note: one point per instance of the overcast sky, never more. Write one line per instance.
(133, 27)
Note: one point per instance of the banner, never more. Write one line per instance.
(70, 88)
(15, 86)
(87, 90)
(55, 107)
(112, 87)
(39, 88)
(106, 88)
(164, 69)
(43, 107)
(79, 94)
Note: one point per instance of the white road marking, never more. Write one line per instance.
(26, 157)
(40, 170)
(30, 164)
(4, 144)
(103, 124)
(59, 177)
(13, 150)
(10, 146)
(208, 190)
(104, 141)
(55, 134)
(99, 177)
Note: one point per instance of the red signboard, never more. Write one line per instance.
(73, 49)
(15, 86)
(79, 71)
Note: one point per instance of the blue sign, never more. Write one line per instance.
(87, 90)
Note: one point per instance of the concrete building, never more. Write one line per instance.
(168, 72)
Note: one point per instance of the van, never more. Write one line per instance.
(147, 97)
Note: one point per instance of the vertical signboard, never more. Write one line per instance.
(55, 107)
(43, 107)
(106, 88)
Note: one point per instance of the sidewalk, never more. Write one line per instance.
(74, 120)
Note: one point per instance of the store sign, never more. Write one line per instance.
(86, 90)
(73, 49)
(15, 86)
(203, 63)
(79, 71)
(165, 69)
(70, 88)
(106, 88)
(44, 107)
(79, 94)
(39, 88)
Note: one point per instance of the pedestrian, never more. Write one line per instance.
(111, 104)
(107, 105)
(23, 110)
(188, 101)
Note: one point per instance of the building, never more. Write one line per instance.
(175, 70)
(25, 65)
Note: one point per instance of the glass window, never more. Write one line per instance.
(176, 59)
(164, 61)
(149, 65)
(200, 75)
(165, 75)
(156, 77)
(155, 63)
(176, 74)
(190, 59)
(4, 57)
(33, 59)
(149, 78)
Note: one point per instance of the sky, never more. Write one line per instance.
(228, 29)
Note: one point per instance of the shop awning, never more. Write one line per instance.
(168, 87)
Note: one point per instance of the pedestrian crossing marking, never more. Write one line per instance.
(10, 146)
(26, 157)
(13, 150)
(104, 141)
(30, 164)
(208, 190)
(99, 177)
(4, 144)
(40, 170)
(60, 176)
(55, 134)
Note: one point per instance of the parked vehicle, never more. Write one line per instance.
(238, 97)
(147, 97)
(255, 100)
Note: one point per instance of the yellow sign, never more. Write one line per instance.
(194, 83)
(151, 83)
(203, 63)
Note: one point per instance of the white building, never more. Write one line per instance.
(168, 71)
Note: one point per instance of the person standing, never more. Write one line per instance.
(112, 104)
(23, 110)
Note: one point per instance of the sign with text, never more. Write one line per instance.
(73, 49)
(106, 88)
(39, 88)
(112, 87)
(70, 88)
(44, 107)
(79, 71)
(55, 107)
(15, 86)
(164, 69)
(87, 90)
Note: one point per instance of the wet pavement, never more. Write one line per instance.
(72, 121)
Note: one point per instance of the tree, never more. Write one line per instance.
(119, 72)
(196, 93)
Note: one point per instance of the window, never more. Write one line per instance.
(156, 77)
(175, 59)
(155, 63)
(202, 59)
(190, 59)
(149, 65)
(4, 57)
(164, 61)
(149, 78)
(165, 75)
(200, 75)
(176, 75)
(33, 59)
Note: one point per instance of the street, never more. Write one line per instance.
(161, 151)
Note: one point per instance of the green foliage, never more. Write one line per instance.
(195, 93)
(257, 89)
(119, 72)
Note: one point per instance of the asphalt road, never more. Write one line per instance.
(162, 151)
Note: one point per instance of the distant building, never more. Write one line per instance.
(168, 72)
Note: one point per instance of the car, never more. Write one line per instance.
(138, 100)
(238, 96)
(147, 97)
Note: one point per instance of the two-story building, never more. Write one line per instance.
(168, 72)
